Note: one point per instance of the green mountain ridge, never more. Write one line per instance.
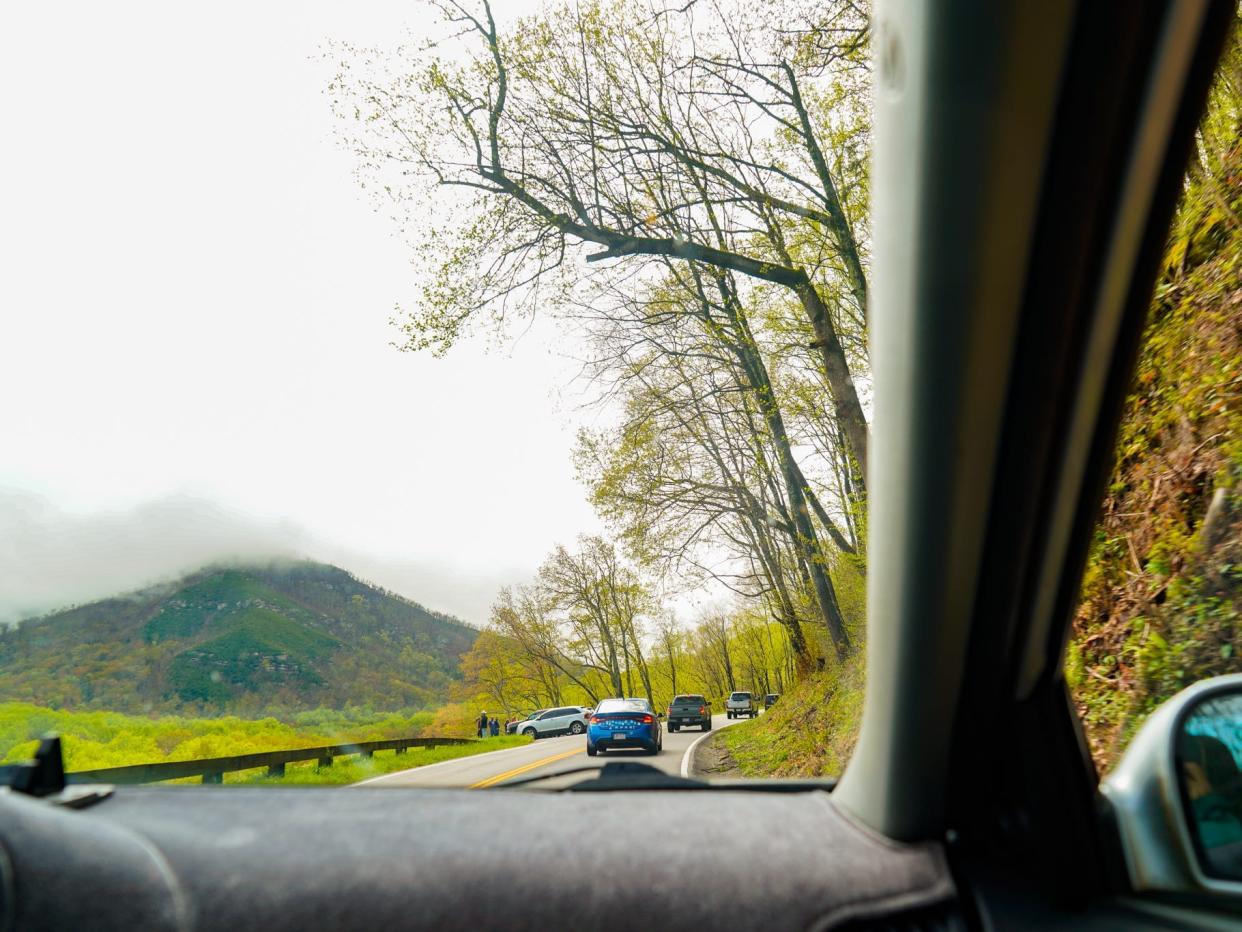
(238, 639)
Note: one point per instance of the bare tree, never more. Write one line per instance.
(689, 368)
(599, 601)
(663, 135)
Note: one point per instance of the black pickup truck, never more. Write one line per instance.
(690, 710)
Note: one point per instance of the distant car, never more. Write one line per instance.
(690, 710)
(566, 720)
(625, 723)
(511, 727)
(770, 700)
(741, 703)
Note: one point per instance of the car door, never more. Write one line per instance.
(544, 723)
(555, 721)
(1027, 160)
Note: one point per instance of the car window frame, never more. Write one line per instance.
(988, 109)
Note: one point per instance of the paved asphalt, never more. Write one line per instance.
(544, 756)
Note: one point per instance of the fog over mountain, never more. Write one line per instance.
(216, 378)
(51, 558)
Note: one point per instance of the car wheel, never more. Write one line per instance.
(591, 752)
(576, 728)
(530, 732)
(673, 729)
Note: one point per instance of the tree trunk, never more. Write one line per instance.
(805, 537)
(837, 370)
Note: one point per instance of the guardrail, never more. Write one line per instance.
(213, 769)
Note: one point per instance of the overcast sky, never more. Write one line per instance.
(195, 358)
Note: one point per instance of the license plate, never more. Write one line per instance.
(619, 736)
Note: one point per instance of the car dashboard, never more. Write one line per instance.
(263, 858)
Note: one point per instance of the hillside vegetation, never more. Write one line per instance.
(811, 731)
(1163, 590)
(245, 640)
(94, 740)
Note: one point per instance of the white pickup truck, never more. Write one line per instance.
(739, 704)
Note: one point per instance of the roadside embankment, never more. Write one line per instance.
(810, 732)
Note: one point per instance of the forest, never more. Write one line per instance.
(686, 190)
(251, 640)
(1162, 595)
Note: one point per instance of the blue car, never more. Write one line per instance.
(624, 723)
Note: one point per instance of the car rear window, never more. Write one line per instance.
(740, 696)
(622, 705)
(688, 699)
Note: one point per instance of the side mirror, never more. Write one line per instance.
(1177, 793)
(659, 715)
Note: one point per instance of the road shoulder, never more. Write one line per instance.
(710, 758)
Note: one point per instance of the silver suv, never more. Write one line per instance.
(567, 720)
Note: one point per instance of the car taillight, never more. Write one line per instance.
(647, 719)
(702, 709)
(596, 720)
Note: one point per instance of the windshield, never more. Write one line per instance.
(331, 443)
(364, 409)
(609, 706)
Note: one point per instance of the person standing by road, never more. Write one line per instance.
(495, 727)
(482, 723)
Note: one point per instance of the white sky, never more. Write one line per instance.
(194, 300)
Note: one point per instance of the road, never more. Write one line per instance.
(545, 756)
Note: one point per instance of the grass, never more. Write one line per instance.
(353, 769)
(810, 732)
(110, 739)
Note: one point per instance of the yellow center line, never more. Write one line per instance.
(509, 774)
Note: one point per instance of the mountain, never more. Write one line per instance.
(238, 639)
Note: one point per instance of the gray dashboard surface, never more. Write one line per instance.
(242, 859)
